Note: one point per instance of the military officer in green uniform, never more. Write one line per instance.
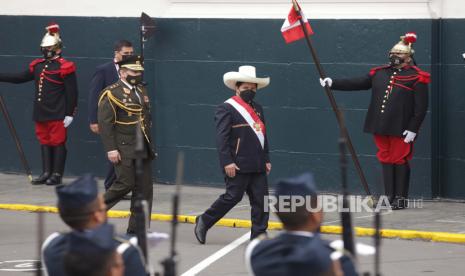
(123, 107)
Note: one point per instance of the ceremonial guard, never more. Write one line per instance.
(83, 209)
(54, 105)
(122, 108)
(398, 105)
(242, 146)
(105, 75)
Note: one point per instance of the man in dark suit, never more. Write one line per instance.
(105, 75)
(243, 152)
(299, 250)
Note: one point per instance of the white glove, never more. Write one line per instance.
(409, 136)
(326, 81)
(67, 121)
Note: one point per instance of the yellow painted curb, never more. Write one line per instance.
(240, 223)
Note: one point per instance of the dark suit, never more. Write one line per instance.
(56, 245)
(105, 75)
(237, 143)
(293, 254)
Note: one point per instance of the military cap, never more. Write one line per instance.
(132, 62)
(80, 192)
(302, 185)
(95, 242)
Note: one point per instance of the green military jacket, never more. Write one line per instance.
(120, 110)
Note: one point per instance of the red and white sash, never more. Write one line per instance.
(250, 117)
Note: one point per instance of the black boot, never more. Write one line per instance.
(59, 159)
(388, 179)
(402, 181)
(46, 152)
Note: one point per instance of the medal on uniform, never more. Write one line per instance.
(257, 126)
(129, 114)
(126, 91)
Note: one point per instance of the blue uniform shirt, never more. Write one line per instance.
(289, 254)
(55, 246)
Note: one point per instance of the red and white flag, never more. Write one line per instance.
(292, 29)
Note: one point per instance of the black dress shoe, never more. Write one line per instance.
(200, 230)
(55, 179)
(41, 179)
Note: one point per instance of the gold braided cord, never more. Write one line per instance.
(120, 104)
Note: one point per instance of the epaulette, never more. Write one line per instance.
(34, 63)
(66, 67)
(373, 70)
(424, 77)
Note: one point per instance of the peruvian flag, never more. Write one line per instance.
(291, 28)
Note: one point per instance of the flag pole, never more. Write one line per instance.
(15, 136)
(332, 100)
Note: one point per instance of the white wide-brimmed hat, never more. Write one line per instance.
(246, 73)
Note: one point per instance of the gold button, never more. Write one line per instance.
(390, 81)
(384, 100)
(39, 99)
(389, 86)
(387, 91)
(382, 111)
(392, 77)
(382, 106)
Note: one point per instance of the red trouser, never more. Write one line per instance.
(51, 133)
(393, 149)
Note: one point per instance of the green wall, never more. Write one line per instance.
(185, 64)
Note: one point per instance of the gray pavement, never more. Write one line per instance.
(399, 257)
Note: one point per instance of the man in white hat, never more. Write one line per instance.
(243, 152)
